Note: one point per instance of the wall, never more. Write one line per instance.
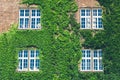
(8, 13)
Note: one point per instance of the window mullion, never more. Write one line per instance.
(30, 14)
(28, 60)
(22, 60)
(91, 59)
(34, 60)
(91, 17)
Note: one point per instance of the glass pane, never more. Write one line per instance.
(83, 64)
(25, 63)
(21, 12)
(25, 53)
(33, 23)
(33, 12)
(38, 12)
(83, 53)
(32, 53)
(37, 63)
(87, 12)
(21, 22)
(32, 64)
(38, 20)
(88, 23)
(82, 22)
(82, 12)
(20, 63)
(95, 54)
(37, 53)
(94, 22)
(26, 12)
(94, 12)
(88, 53)
(100, 65)
(20, 53)
(99, 22)
(100, 53)
(88, 64)
(95, 64)
(99, 12)
(26, 22)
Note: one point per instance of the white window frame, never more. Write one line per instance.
(37, 26)
(87, 23)
(85, 58)
(90, 23)
(91, 58)
(35, 58)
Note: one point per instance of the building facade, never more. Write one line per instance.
(89, 15)
(9, 12)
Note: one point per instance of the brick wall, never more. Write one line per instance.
(9, 10)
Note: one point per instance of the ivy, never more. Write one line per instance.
(57, 41)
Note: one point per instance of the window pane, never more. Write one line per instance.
(21, 12)
(26, 12)
(100, 65)
(38, 22)
(32, 64)
(83, 64)
(20, 53)
(25, 63)
(88, 23)
(38, 12)
(21, 22)
(99, 22)
(32, 53)
(82, 12)
(26, 22)
(94, 22)
(88, 64)
(95, 54)
(99, 12)
(100, 53)
(88, 53)
(20, 63)
(33, 12)
(87, 12)
(37, 53)
(94, 12)
(95, 64)
(37, 63)
(25, 53)
(83, 53)
(33, 23)
(82, 22)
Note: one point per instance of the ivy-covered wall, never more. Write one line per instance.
(59, 43)
(108, 40)
(111, 39)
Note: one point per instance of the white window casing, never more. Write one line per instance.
(28, 60)
(91, 18)
(29, 19)
(91, 60)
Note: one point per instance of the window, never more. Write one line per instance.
(91, 60)
(91, 18)
(29, 19)
(28, 60)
